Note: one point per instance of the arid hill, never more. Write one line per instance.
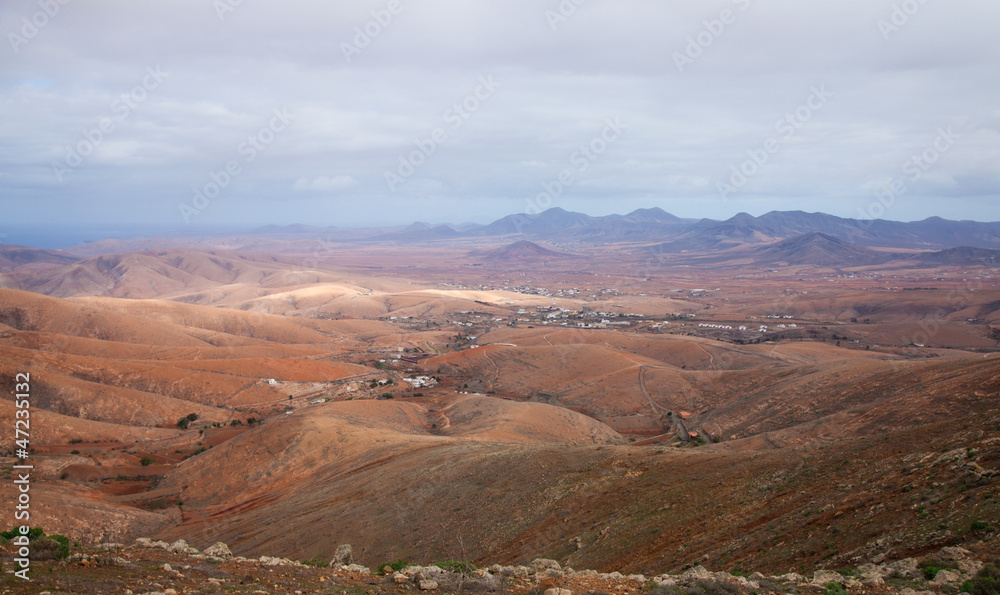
(649, 411)
(13, 257)
(521, 251)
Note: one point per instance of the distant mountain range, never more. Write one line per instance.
(679, 235)
(649, 228)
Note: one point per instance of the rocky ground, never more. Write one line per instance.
(156, 567)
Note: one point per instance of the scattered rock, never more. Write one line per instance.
(558, 591)
(400, 579)
(181, 547)
(428, 586)
(219, 550)
(344, 556)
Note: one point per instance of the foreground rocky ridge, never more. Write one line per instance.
(157, 567)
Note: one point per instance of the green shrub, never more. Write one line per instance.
(986, 582)
(317, 563)
(145, 461)
(980, 526)
(834, 589)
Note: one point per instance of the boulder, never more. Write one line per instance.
(219, 550)
(907, 567)
(821, 578)
(344, 556)
(540, 565)
(356, 568)
(970, 567)
(953, 554)
(698, 573)
(181, 547)
(428, 586)
(946, 577)
(400, 579)
(519, 572)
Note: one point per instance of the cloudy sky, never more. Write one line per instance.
(200, 113)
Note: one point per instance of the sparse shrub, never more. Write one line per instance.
(834, 589)
(74, 452)
(980, 526)
(986, 582)
(317, 563)
(235, 423)
(183, 423)
(145, 461)
(931, 566)
(46, 548)
(457, 567)
(386, 395)
(76, 441)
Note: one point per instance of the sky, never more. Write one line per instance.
(201, 114)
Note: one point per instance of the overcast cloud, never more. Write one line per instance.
(229, 112)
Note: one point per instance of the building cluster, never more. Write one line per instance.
(421, 381)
